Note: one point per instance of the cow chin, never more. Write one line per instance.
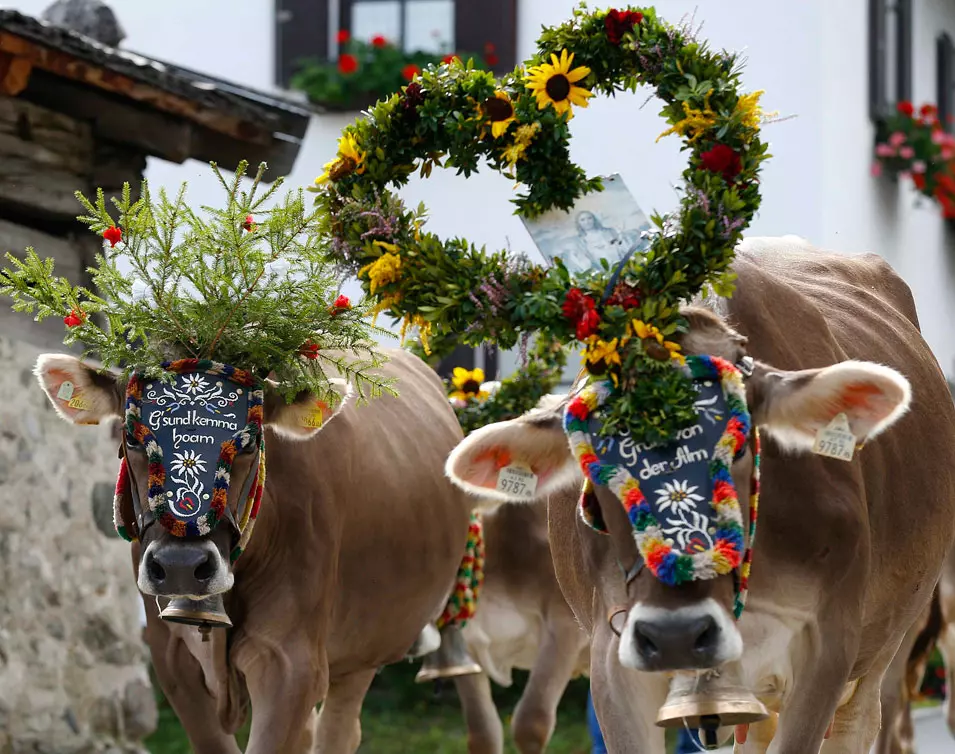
(180, 567)
(698, 636)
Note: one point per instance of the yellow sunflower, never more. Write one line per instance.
(650, 333)
(500, 111)
(350, 160)
(468, 384)
(554, 84)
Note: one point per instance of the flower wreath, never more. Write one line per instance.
(626, 318)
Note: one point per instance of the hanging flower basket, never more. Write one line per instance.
(913, 146)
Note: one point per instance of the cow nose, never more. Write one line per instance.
(180, 569)
(688, 643)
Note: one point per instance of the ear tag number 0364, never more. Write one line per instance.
(835, 440)
(517, 480)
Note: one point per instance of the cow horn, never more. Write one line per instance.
(704, 702)
(207, 613)
(449, 660)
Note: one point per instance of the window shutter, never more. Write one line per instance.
(487, 28)
(945, 80)
(301, 31)
(903, 50)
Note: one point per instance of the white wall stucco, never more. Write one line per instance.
(810, 57)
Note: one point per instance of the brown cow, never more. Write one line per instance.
(355, 548)
(936, 628)
(846, 554)
(523, 621)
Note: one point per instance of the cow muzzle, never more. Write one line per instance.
(694, 637)
(193, 569)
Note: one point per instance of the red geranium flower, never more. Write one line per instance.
(74, 318)
(928, 111)
(489, 48)
(309, 350)
(619, 22)
(113, 234)
(249, 224)
(919, 180)
(491, 59)
(410, 71)
(449, 58)
(588, 324)
(378, 41)
(905, 107)
(347, 63)
(343, 36)
(722, 159)
(341, 304)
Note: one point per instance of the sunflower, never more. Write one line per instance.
(601, 355)
(350, 160)
(500, 111)
(468, 384)
(554, 84)
(654, 344)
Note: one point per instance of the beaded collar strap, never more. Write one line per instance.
(191, 413)
(679, 539)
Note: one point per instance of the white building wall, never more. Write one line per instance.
(810, 57)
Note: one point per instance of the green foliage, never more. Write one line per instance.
(446, 118)
(240, 284)
(379, 71)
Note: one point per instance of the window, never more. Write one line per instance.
(308, 28)
(945, 80)
(890, 55)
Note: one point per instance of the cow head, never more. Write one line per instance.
(670, 623)
(193, 455)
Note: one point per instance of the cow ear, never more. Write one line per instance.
(304, 417)
(794, 406)
(79, 393)
(495, 461)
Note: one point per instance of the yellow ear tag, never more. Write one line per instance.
(518, 480)
(315, 416)
(80, 403)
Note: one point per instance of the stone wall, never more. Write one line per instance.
(73, 667)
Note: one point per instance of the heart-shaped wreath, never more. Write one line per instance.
(519, 125)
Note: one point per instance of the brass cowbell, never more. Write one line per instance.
(205, 614)
(707, 703)
(449, 660)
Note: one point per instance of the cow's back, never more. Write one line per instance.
(360, 530)
(894, 511)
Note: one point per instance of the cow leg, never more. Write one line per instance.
(339, 722)
(485, 732)
(626, 701)
(284, 686)
(183, 683)
(856, 723)
(536, 714)
(946, 645)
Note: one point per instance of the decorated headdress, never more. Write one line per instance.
(626, 318)
(196, 309)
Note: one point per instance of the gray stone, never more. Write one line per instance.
(73, 669)
(91, 18)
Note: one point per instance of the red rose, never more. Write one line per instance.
(576, 303)
(588, 325)
(410, 71)
(491, 59)
(448, 59)
(113, 234)
(619, 22)
(343, 36)
(347, 63)
(74, 318)
(341, 304)
(905, 108)
(249, 224)
(722, 159)
(378, 41)
(309, 350)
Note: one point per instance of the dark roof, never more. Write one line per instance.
(241, 113)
